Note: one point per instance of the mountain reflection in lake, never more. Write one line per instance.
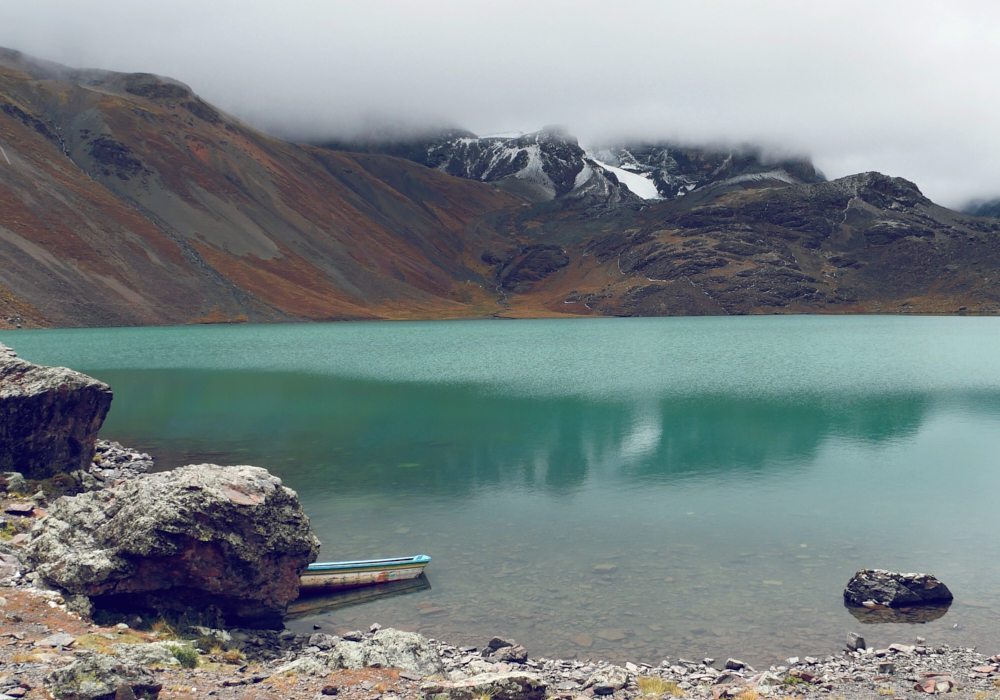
(727, 476)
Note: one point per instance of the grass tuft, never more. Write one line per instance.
(653, 685)
(163, 629)
(186, 656)
(234, 656)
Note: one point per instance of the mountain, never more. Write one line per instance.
(550, 164)
(126, 199)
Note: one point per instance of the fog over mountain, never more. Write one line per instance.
(904, 88)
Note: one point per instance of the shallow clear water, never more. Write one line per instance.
(736, 471)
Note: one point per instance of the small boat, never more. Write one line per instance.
(348, 574)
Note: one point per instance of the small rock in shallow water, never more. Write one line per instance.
(735, 664)
(877, 587)
(855, 642)
(582, 640)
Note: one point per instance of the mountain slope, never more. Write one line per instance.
(864, 243)
(128, 200)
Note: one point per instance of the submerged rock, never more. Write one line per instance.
(879, 587)
(49, 417)
(497, 686)
(201, 536)
(388, 648)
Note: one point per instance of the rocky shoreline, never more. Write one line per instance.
(48, 650)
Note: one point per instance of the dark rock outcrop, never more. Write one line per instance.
(886, 588)
(535, 262)
(49, 417)
(201, 536)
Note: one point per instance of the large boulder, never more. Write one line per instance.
(49, 417)
(199, 536)
(894, 590)
(388, 648)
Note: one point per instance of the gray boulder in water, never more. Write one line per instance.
(199, 536)
(388, 648)
(49, 417)
(894, 590)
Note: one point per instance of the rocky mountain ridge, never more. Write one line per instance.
(126, 199)
(550, 164)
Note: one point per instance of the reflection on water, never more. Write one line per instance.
(910, 616)
(660, 487)
(359, 437)
(311, 604)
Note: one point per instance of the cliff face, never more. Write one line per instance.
(125, 199)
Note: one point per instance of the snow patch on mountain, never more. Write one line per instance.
(639, 184)
(583, 176)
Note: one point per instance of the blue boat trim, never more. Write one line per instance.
(402, 562)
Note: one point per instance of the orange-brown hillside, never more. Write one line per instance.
(124, 199)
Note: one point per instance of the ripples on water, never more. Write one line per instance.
(732, 473)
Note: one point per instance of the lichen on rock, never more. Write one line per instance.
(101, 676)
(388, 648)
(498, 686)
(199, 536)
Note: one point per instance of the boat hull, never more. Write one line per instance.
(324, 577)
(347, 579)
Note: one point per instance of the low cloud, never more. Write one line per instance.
(906, 88)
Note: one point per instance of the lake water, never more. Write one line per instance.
(736, 471)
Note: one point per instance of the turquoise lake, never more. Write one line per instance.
(736, 471)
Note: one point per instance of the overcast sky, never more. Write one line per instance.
(909, 88)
